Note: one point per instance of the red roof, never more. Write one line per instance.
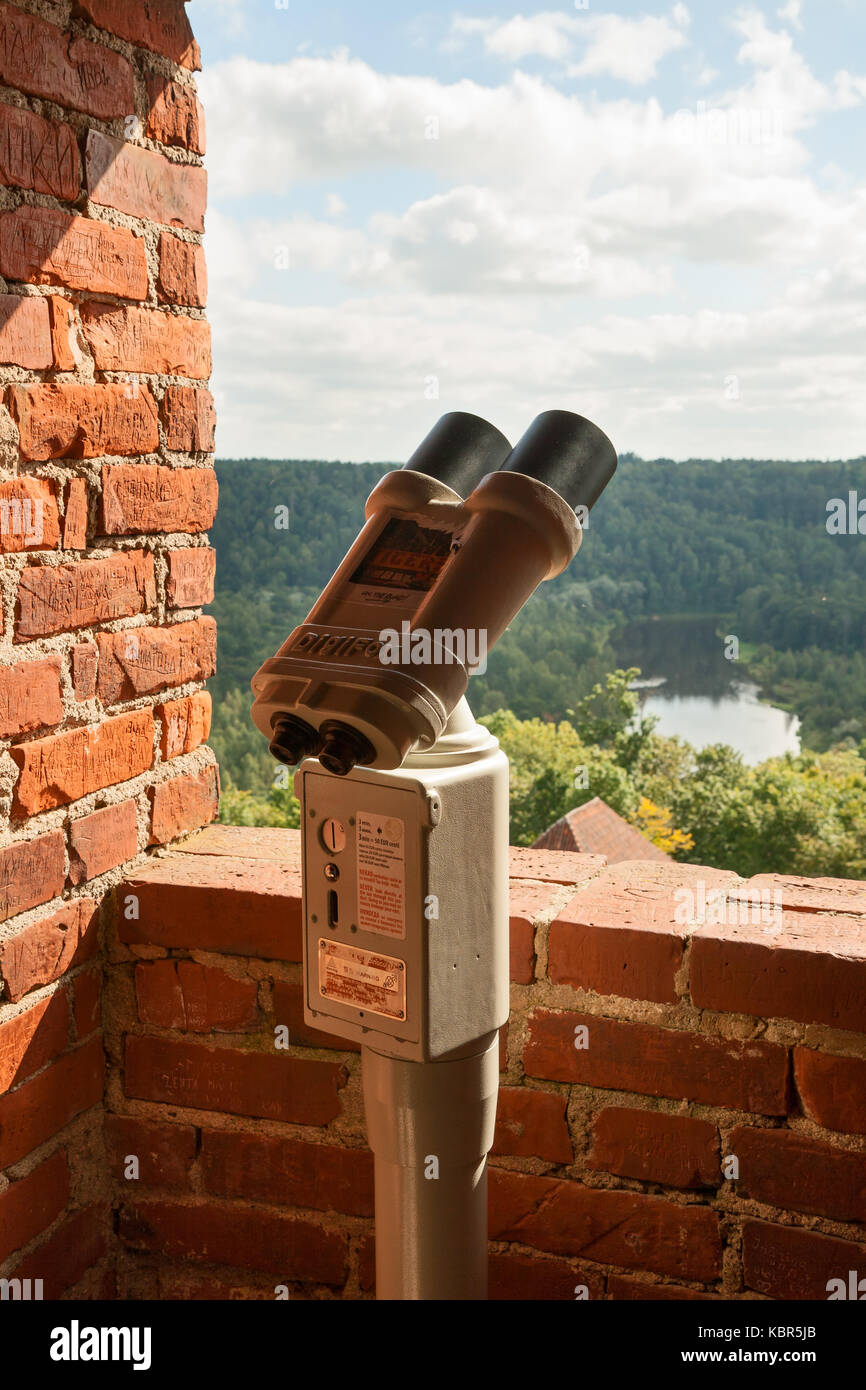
(595, 828)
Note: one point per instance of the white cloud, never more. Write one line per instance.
(791, 13)
(783, 80)
(612, 45)
(849, 90)
(353, 382)
(547, 35)
(273, 125)
(630, 50)
(611, 256)
(229, 265)
(231, 15)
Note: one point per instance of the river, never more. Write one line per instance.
(695, 691)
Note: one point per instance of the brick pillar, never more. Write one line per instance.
(107, 489)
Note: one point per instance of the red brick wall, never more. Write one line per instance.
(611, 1171)
(106, 490)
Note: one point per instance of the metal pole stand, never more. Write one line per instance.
(430, 1126)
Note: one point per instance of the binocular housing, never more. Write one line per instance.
(454, 544)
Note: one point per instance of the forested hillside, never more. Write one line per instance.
(744, 541)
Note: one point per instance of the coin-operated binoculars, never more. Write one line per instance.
(404, 811)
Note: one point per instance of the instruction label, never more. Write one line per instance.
(380, 842)
(363, 979)
(405, 561)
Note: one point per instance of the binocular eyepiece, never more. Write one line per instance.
(566, 452)
(338, 746)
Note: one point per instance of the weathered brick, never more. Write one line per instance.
(175, 115)
(655, 1061)
(366, 1262)
(160, 25)
(101, 841)
(46, 949)
(190, 582)
(798, 1173)
(638, 1290)
(40, 1108)
(25, 331)
(29, 1205)
(84, 661)
(214, 903)
(245, 1237)
(64, 1258)
(182, 277)
(269, 1086)
(796, 894)
(30, 696)
(832, 1089)
(84, 421)
(142, 660)
(651, 1146)
(279, 845)
(527, 902)
(57, 598)
(189, 418)
(183, 804)
(148, 497)
(29, 519)
(46, 61)
(194, 998)
(143, 183)
(75, 516)
(31, 872)
(606, 1225)
(532, 1124)
(622, 934)
(103, 1287)
(788, 1262)
(553, 865)
(64, 767)
(87, 1002)
(38, 154)
(289, 1013)
(811, 967)
(287, 1172)
(514, 1276)
(165, 1153)
(44, 246)
(131, 339)
(32, 1038)
(182, 1283)
(61, 316)
(185, 723)
(521, 945)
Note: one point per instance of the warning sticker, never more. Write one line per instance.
(405, 556)
(363, 979)
(404, 562)
(381, 874)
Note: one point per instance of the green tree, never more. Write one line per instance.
(609, 717)
(553, 771)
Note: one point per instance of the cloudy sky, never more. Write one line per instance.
(652, 214)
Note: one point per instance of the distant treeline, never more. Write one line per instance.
(755, 541)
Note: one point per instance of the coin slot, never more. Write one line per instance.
(333, 834)
(333, 909)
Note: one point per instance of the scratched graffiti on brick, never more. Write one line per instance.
(37, 154)
(39, 57)
(44, 246)
(21, 518)
(143, 183)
